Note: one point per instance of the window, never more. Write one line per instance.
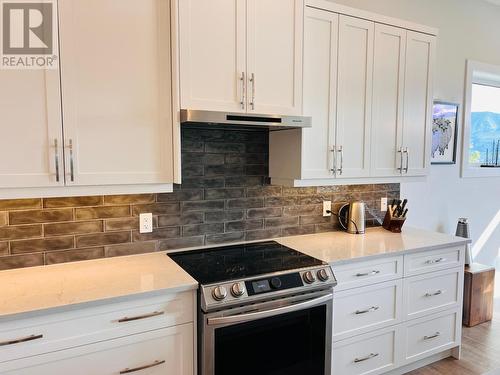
(481, 147)
(485, 125)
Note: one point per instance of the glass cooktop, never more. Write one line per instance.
(208, 266)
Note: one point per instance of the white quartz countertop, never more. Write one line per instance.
(341, 247)
(47, 287)
(37, 289)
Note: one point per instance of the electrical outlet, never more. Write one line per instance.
(146, 223)
(327, 206)
(383, 204)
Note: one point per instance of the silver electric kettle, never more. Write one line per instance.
(352, 217)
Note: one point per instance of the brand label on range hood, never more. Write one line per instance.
(223, 118)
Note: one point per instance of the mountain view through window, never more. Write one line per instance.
(485, 123)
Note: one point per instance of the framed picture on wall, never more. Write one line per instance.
(444, 132)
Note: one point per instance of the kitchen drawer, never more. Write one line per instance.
(367, 273)
(62, 330)
(434, 260)
(430, 335)
(365, 309)
(165, 351)
(430, 293)
(372, 353)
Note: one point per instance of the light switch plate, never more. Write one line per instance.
(383, 204)
(327, 206)
(146, 223)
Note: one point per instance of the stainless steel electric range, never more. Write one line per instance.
(264, 309)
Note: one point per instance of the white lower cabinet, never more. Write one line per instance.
(150, 335)
(364, 309)
(373, 353)
(164, 351)
(402, 324)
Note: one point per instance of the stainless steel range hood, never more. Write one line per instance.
(244, 119)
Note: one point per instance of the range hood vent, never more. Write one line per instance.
(245, 120)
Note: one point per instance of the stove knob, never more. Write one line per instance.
(309, 277)
(219, 293)
(323, 275)
(276, 282)
(238, 289)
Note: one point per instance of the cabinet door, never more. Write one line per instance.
(275, 51)
(212, 42)
(388, 90)
(320, 89)
(354, 100)
(116, 88)
(418, 102)
(165, 351)
(30, 127)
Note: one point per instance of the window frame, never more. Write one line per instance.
(483, 74)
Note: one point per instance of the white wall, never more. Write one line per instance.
(469, 29)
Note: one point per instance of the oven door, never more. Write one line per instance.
(289, 336)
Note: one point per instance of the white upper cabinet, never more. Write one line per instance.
(116, 91)
(368, 88)
(241, 55)
(354, 96)
(320, 92)
(420, 49)
(31, 140)
(212, 47)
(274, 64)
(388, 91)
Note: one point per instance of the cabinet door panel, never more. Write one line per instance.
(212, 54)
(388, 90)
(355, 72)
(275, 51)
(116, 91)
(418, 101)
(30, 125)
(320, 88)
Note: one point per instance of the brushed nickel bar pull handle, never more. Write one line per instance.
(371, 309)
(139, 317)
(436, 293)
(400, 169)
(407, 152)
(370, 356)
(20, 340)
(242, 79)
(341, 151)
(434, 261)
(71, 161)
(334, 160)
(374, 272)
(437, 334)
(252, 80)
(56, 146)
(130, 370)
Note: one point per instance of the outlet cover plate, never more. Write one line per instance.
(327, 206)
(146, 223)
(383, 204)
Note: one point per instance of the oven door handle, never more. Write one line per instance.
(233, 319)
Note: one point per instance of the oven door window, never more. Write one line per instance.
(288, 344)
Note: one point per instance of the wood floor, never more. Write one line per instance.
(480, 351)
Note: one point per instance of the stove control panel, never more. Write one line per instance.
(252, 289)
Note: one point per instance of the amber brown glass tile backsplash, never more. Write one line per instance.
(225, 197)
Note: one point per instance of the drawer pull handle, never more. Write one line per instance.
(370, 356)
(23, 339)
(434, 261)
(129, 370)
(139, 317)
(374, 272)
(437, 334)
(436, 293)
(371, 309)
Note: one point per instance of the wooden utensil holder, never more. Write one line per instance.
(391, 223)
